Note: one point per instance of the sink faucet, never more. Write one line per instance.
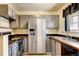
(67, 36)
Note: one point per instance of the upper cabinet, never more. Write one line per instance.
(10, 12)
(6, 11)
(23, 21)
(10, 16)
(20, 22)
(14, 24)
(52, 21)
(4, 22)
(32, 22)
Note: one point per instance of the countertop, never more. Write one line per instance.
(67, 42)
(18, 35)
(62, 35)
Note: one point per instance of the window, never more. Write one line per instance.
(73, 22)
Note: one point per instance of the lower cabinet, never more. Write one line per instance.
(69, 51)
(1, 46)
(53, 47)
(56, 48)
(25, 45)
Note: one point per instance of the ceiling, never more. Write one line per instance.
(37, 6)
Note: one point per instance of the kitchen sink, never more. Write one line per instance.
(73, 40)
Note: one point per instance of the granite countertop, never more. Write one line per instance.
(19, 35)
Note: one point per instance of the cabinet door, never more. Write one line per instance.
(4, 10)
(58, 48)
(23, 21)
(17, 21)
(10, 12)
(1, 47)
(4, 22)
(53, 47)
(15, 24)
(55, 21)
(52, 21)
(32, 22)
(14, 15)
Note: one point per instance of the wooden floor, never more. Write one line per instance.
(27, 54)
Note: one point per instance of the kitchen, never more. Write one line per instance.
(47, 29)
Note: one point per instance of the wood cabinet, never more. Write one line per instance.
(4, 10)
(53, 47)
(7, 11)
(10, 12)
(15, 23)
(1, 45)
(56, 48)
(52, 21)
(4, 22)
(20, 22)
(23, 21)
